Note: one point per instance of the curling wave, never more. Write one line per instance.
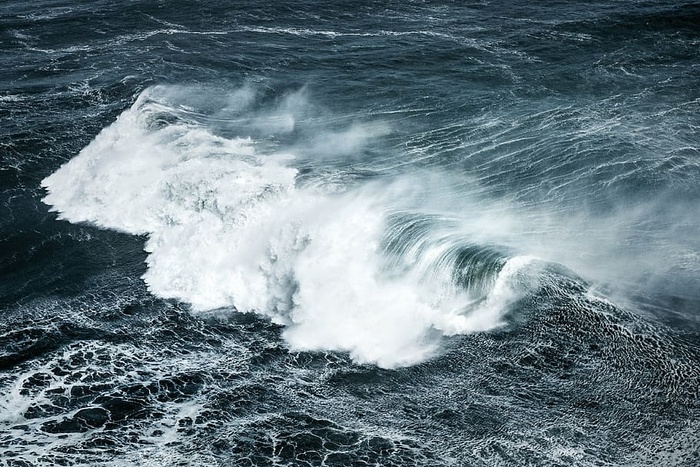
(230, 225)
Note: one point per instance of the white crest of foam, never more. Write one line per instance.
(512, 282)
(228, 227)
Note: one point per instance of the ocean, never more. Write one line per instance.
(368, 233)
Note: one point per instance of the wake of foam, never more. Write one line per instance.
(230, 226)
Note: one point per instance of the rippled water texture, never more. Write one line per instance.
(411, 233)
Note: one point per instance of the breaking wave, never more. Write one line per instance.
(354, 267)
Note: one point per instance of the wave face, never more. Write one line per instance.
(413, 233)
(353, 268)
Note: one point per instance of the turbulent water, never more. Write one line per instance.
(349, 233)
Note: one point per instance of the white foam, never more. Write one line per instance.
(514, 279)
(229, 227)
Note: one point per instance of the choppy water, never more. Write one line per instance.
(373, 233)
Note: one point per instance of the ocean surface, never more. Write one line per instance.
(367, 233)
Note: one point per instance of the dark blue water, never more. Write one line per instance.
(349, 233)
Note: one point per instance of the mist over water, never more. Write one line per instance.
(322, 234)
